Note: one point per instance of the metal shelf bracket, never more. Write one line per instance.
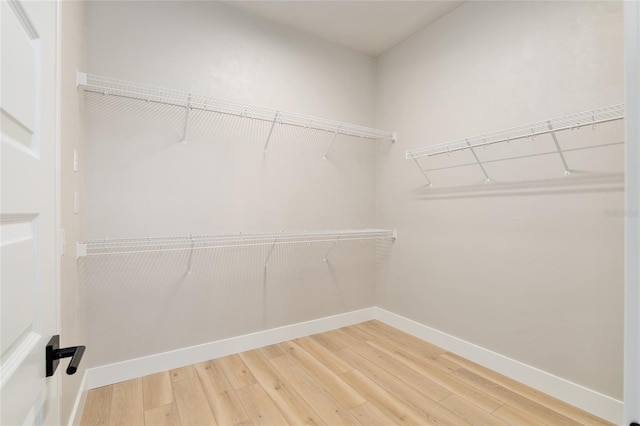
(273, 123)
(567, 171)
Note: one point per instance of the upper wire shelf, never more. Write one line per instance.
(573, 121)
(107, 247)
(128, 89)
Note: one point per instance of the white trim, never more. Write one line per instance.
(78, 405)
(139, 367)
(632, 206)
(579, 396)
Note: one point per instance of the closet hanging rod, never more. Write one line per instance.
(131, 90)
(569, 122)
(107, 247)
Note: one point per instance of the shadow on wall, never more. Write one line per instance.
(574, 184)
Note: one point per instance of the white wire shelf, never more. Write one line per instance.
(128, 89)
(108, 247)
(546, 127)
(573, 121)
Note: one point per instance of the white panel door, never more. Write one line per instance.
(28, 265)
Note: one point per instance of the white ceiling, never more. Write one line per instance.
(370, 27)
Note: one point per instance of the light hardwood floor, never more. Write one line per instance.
(369, 374)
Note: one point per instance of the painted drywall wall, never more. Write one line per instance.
(530, 265)
(141, 180)
(73, 302)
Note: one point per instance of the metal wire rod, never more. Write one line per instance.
(326, 256)
(333, 139)
(423, 172)
(186, 119)
(569, 122)
(484, 172)
(127, 89)
(266, 261)
(108, 247)
(567, 171)
(189, 270)
(273, 123)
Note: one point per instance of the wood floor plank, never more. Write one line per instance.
(429, 409)
(392, 366)
(342, 339)
(271, 351)
(97, 407)
(370, 415)
(325, 340)
(515, 417)
(192, 404)
(378, 328)
(423, 367)
(332, 383)
(380, 367)
(127, 407)
(224, 402)
(470, 412)
(534, 409)
(237, 371)
(410, 344)
(358, 333)
(329, 410)
(382, 399)
(324, 355)
(182, 373)
(165, 415)
(528, 392)
(157, 390)
(260, 407)
(293, 406)
(417, 354)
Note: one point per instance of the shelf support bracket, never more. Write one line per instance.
(333, 139)
(186, 120)
(81, 250)
(567, 171)
(266, 261)
(484, 172)
(81, 78)
(273, 124)
(326, 256)
(189, 271)
(422, 171)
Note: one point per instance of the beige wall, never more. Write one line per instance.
(73, 305)
(528, 266)
(141, 181)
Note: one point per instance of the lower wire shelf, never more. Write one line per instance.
(108, 247)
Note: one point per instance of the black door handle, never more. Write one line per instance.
(54, 353)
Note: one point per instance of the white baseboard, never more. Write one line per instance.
(139, 367)
(78, 405)
(579, 396)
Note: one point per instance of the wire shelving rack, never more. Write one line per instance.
(110, 247)
(528, 131)
(190, 101)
